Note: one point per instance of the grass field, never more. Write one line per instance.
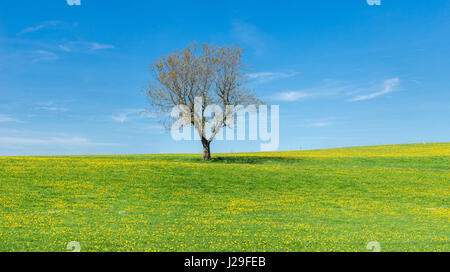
(323, 200)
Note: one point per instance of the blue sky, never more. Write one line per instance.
(344, 73)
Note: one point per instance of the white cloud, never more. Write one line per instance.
(32, 142)
(55, 109)
(43, 55)
(327, 89)
(38, 27)
(290, 96)
(332, 88)
(53, 105)
(64, 48)
(84, 46)
(270, 76)
(74, 2)
(8, 131)
(121, 118)
(319, 124)
(64, 141)
(99, 46)
(128, 115)
(389, 86)
(8, 119)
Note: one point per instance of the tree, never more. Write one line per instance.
(214, 75)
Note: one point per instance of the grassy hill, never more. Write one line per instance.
(322, 200)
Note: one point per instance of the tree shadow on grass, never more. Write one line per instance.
(237, 159)
(254, 160)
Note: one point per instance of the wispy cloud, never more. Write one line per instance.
(52, 106)
(270, 76)
(99, 46)
(390, 85)
(128, 115)
(55, 109)
(35, 142)
(84, 46)
(319, 124)
(121, 118)
(289, 96)
(327, 88)
(70, 47)
(8, 119)
(64, 48)
(41, 48)
(66, 141)
(332, 89)
(39, 27)
(43, 55)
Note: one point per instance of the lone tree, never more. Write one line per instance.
(215, 74)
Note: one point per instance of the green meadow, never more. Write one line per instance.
(319, 200)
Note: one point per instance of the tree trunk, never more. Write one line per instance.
(206, 150)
